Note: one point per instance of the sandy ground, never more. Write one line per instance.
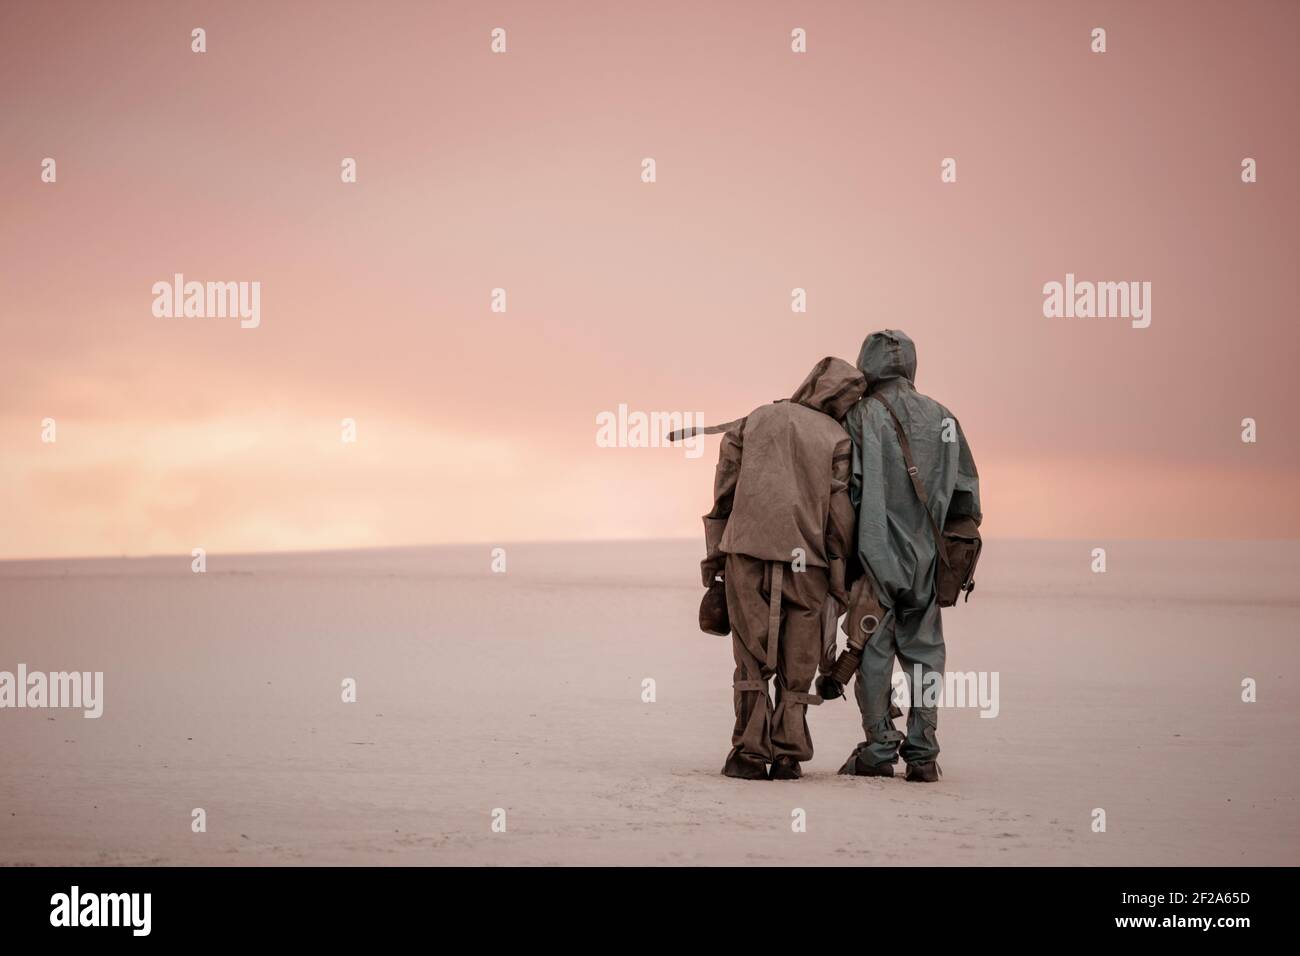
(523, 691)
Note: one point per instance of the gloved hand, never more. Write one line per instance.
(828, 688)
(713, 611)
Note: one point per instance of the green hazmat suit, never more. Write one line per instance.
(895, 542)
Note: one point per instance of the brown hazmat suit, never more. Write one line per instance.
(779, 534)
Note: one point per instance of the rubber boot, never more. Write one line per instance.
(923, 772)
(857, 765)
(785, 768)
(744, 768)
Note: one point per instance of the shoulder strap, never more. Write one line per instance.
(914, 474)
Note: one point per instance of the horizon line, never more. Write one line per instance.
(450, 545)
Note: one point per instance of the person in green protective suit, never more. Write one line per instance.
(897, 550)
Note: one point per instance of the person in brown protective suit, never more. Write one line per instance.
(778, 535)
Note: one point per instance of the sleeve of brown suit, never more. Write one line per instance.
(724, 493)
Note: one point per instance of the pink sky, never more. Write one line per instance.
(522, 170)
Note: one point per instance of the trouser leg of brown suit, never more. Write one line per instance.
(790, 654)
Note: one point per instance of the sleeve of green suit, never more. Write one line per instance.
(966, 493)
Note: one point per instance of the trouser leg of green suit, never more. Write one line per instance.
(916, 639)
(763, 732)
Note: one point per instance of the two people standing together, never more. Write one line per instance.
(859, 497)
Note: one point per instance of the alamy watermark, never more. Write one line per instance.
(1098, 300)
(208, 300)
(76, 908)
(948, 689)
(76, 689)
(631, 429)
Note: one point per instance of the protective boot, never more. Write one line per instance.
(923, 772)
(785, 768)
(744, 768)
(859, 764)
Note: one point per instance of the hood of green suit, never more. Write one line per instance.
(887, 355)
(832, 387)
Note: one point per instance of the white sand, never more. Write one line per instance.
(523, 691)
